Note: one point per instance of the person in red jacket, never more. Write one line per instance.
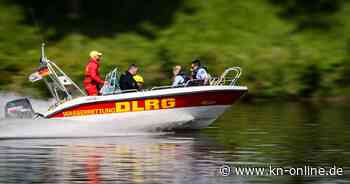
(92, 79)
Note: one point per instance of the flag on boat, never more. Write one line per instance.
(34, 77)
(43, 71)
(39, 74)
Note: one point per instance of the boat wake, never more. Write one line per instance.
(44, 128)
(48, 128)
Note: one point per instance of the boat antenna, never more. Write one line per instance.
(42, 57)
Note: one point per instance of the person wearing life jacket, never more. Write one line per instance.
(127, 80)
(180, 78)
(139, 81)
(92, 79)
(199, 72)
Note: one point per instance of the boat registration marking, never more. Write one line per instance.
(125, 106)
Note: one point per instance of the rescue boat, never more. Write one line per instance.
(189, 106)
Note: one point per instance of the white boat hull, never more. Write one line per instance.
(166, 119)
(177, 108)
(113, 125)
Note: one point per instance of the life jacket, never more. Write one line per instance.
(92, 75)
(194, 72)
(184, 76)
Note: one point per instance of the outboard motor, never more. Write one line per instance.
(20, 109)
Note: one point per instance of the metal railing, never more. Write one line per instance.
(229, 77)
(162, 87)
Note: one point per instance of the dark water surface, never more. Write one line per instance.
(249, 135)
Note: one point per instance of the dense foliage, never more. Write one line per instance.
(287, 48)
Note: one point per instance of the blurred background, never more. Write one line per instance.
(287, 48)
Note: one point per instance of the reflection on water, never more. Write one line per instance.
(286, 135)
(107, 160)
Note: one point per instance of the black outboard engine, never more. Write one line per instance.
(20, 109)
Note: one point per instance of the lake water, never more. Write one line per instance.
(262, 135)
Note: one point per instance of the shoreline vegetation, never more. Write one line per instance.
(288, 49)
